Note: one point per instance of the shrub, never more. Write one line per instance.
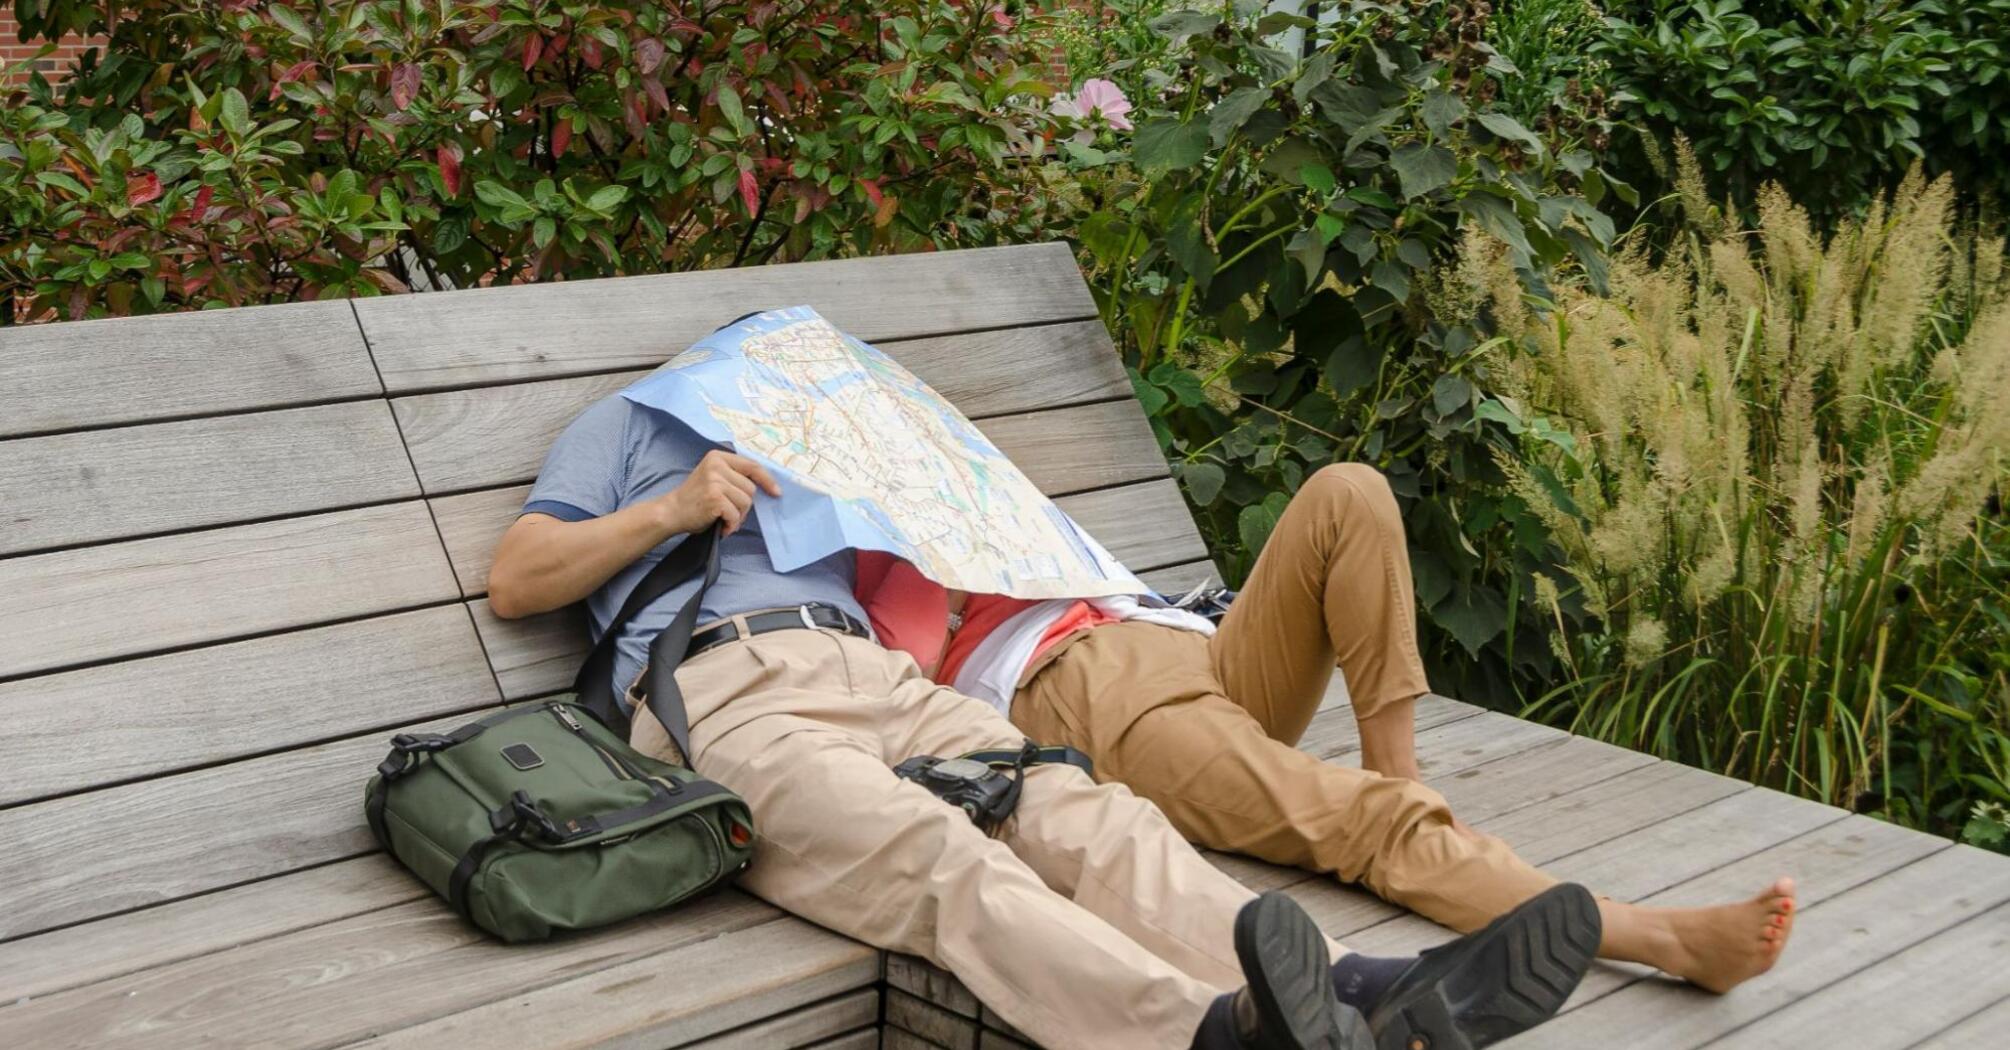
(1777, 489)
(230, 152)
(1269, 248)
(1835, 101)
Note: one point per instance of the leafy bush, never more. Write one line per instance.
(1269, 248)
(1778, 497)
(1834, 100)
(226, 152)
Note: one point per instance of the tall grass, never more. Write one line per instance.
(1774, 464)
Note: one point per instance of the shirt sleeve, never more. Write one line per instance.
(585, 475)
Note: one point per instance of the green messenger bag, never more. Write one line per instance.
(541, 817)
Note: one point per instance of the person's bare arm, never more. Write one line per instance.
(545, 563)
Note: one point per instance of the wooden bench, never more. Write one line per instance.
(239, 549)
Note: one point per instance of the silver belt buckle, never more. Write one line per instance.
(804, 612)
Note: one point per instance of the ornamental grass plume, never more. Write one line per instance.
(1771, 494)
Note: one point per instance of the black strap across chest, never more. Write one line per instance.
(595, 683)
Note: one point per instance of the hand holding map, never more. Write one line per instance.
(871, 458)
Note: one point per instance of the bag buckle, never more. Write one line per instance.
(520, 813)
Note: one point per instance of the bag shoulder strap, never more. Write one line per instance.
(594, 684)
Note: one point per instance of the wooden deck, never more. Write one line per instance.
(239, 549)
(1903, 939)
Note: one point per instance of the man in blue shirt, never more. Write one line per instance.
(1088, 922)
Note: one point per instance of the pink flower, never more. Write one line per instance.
(1098, 98)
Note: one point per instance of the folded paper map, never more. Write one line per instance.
(870, 458)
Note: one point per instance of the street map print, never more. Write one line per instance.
(869, 457)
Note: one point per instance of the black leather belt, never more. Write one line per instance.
(815, 617)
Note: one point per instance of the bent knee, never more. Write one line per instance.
(1343, 490)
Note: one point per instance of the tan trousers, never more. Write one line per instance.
(1207, 728)
(1088, 923)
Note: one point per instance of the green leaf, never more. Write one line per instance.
(1178, 25)
(1391, 277)
(1318, 177)
(1203, 482)
(607, 198)
(1151, 398)
(1450, 393)
(62, 181)
(1329, 226)
(1440, 109)
(1509, 128)
(1232, 112)
(736, 115)
(1353, 366)
(1474, 616)
(236, 113)
(1498, 217)
(1422, 168)
(1254, 526)
(1184, 384)
(1168, 145)
(497, 195)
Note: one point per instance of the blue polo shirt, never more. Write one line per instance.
(618, 453)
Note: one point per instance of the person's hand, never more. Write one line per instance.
(720, 489)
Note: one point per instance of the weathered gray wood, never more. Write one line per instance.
(1061, 450)
(94, 603)
(1864, 892)
(930, 984)
(1145, 525)
(135, 718)
(92, 373)
(1534, 776)
(661, 999)
(370, 974)
(489, 335)
(817, 1026)
(917, 1016)
(1982, 1030)
(902, 1039)
(1175, 580)
(497, 435)
(74, 956)
(1678, 849)
(82, 856)
(1900, 1000)
(1609, 810)
(133, 481)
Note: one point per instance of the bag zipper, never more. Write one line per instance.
(613, 766)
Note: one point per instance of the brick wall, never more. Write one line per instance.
(12, 50)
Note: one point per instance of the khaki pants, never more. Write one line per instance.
(1088, 923)
(1206, 728)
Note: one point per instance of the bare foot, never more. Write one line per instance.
(1716, 948)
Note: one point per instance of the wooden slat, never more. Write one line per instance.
(667, 999)
(75, 956)
(1144, 525)
(133, 481)
(1899, 1000)
(140, 717)
(1061, 450)
(93, 373)
(95, 603)
(817, 1026)
(83, 856)
(1982, 1030)
(1864, 892)
(902, 1039)
(917, 1016)
(490, 335)
(371, 974)
(1176, 580)
(465, 439)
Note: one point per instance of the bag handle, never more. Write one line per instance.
(594, 685)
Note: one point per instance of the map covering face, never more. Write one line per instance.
(869, 457)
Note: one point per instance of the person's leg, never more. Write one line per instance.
(1332, 586)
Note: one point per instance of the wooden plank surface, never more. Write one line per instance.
(499, 443)
(133, 481)
(1981, 1030)
(828, 1025)
(667, 999)
(170, 366)
(142, 717)
(1145, 525)
(75, 956)
(497, 435)
(94, 603)
(374, 973)
(82, 856)
(492, 335)
(1864, 891)
(1902, 999)
(917, 1016)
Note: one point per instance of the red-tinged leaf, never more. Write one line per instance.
(556, 45)
(142, 187)
(449, 157)
(404, 84)
(590, 51)
(200, 207)
(779, 100)
(772, 166)
(634, 112)
(750, 192)
(685, 25)
(296, 71)
(884, 213)
(561, 137)
(871, 188)
(648, 55)
(657, 95)
(533, 47)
